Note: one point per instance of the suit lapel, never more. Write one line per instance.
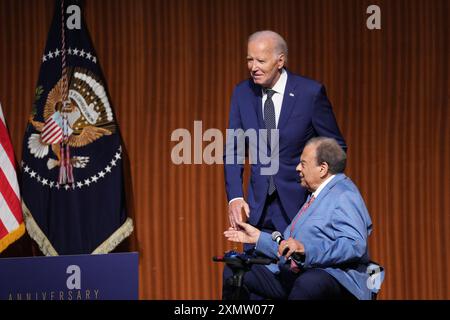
(339, 177)
(290, 95)
(288, 104)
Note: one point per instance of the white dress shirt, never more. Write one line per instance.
(322, 185)
(277, 97)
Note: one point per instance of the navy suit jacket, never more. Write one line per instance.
(334, 231)
(305, 113)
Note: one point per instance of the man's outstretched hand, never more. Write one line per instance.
(246, 234)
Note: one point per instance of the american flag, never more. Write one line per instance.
(11, 220)
(52, 131)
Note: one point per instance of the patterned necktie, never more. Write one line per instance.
(303, 209)
(293, 266)
(269, 119)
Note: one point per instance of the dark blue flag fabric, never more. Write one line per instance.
(72, 179)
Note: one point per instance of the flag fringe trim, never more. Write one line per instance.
(116, 238)
(46, 247)
(36, 233)
(12, 237)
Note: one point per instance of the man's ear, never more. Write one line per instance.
(281, 61)
(324, 169)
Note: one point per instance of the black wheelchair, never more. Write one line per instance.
(240, 263)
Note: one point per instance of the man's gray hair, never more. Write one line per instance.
(280, 44)
(329, 151)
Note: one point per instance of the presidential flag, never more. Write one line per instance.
(11, 220)
(72, 181)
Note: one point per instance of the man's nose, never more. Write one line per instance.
(297, 178)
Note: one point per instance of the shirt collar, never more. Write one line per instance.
(280, 86)
(322, 185)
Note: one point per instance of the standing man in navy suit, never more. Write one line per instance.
(294, 107)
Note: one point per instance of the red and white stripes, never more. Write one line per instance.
(52, 132)
(11, 219)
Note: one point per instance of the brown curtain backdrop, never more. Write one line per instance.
(171, 62)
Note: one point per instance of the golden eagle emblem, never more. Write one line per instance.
(88, 112)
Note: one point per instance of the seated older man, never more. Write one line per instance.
(325, 255)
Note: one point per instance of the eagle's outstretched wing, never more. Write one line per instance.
(54, 98)
(88, 135)
(39, 126)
